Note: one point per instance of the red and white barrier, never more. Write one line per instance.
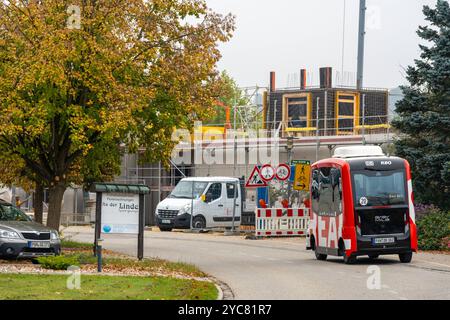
(281, 222)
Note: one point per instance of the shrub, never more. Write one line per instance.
(64, 261)
(422, 210)
(58, 262)
(433, 230)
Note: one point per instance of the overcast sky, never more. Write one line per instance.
(287, 35)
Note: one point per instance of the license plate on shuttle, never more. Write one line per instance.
(166, 221)
(386, 240)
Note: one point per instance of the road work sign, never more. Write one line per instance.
(302, 174)
(255, 180)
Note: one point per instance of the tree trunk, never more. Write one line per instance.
(38, 203)
(56, 194)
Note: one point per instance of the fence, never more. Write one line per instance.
(281, 222)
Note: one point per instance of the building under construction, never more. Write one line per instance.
(325, 110)
(315, 118)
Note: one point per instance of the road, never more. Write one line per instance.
(283, 269)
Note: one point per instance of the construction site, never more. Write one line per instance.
(306, 120)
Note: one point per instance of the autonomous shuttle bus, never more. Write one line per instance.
(361, 204)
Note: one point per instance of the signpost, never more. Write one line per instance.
(255, 180)
(267, 172)
(119, 210)
(302, 174)
(283, 172)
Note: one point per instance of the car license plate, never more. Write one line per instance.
(383, 240)
(166, 221)
(39, 244)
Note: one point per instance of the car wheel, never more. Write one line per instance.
(320, 256)
(162, 229)
(405, 257)
(199, 223)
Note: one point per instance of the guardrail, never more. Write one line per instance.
(276, 222)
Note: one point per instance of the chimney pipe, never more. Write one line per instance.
(272, 81)
(326, 80)
(303, 79)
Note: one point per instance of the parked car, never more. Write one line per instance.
(21, 237)
(212, 199)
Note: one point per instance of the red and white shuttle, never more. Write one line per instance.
(361, 204)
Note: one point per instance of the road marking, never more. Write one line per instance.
(272, 259)
(403, 298)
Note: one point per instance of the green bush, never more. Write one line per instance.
(58, 262)
(434, 230)
(64, 261)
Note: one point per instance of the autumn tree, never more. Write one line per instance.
(81, 79)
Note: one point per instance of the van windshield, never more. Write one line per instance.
(183, 190)
(375, 188)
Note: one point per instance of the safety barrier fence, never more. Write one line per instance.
(276, 222)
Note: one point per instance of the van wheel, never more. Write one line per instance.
(320, 256)
(162, 229)
(199, 223)
(405, 257)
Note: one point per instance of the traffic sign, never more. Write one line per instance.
(302, 174)
(267, 172)
(255, 180)
(283, 172)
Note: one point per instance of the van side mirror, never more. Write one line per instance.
(203, 198)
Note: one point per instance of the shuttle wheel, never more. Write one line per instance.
(405, 257)
(320, 256)
(349, 260)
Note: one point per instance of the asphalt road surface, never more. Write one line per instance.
(283, 269)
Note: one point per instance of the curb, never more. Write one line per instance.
(225, 292)
(220, 292)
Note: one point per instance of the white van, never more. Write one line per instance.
(212, 199)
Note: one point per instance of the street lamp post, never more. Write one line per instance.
(289, 147)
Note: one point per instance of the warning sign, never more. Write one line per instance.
(302, 174)
(255, 180)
